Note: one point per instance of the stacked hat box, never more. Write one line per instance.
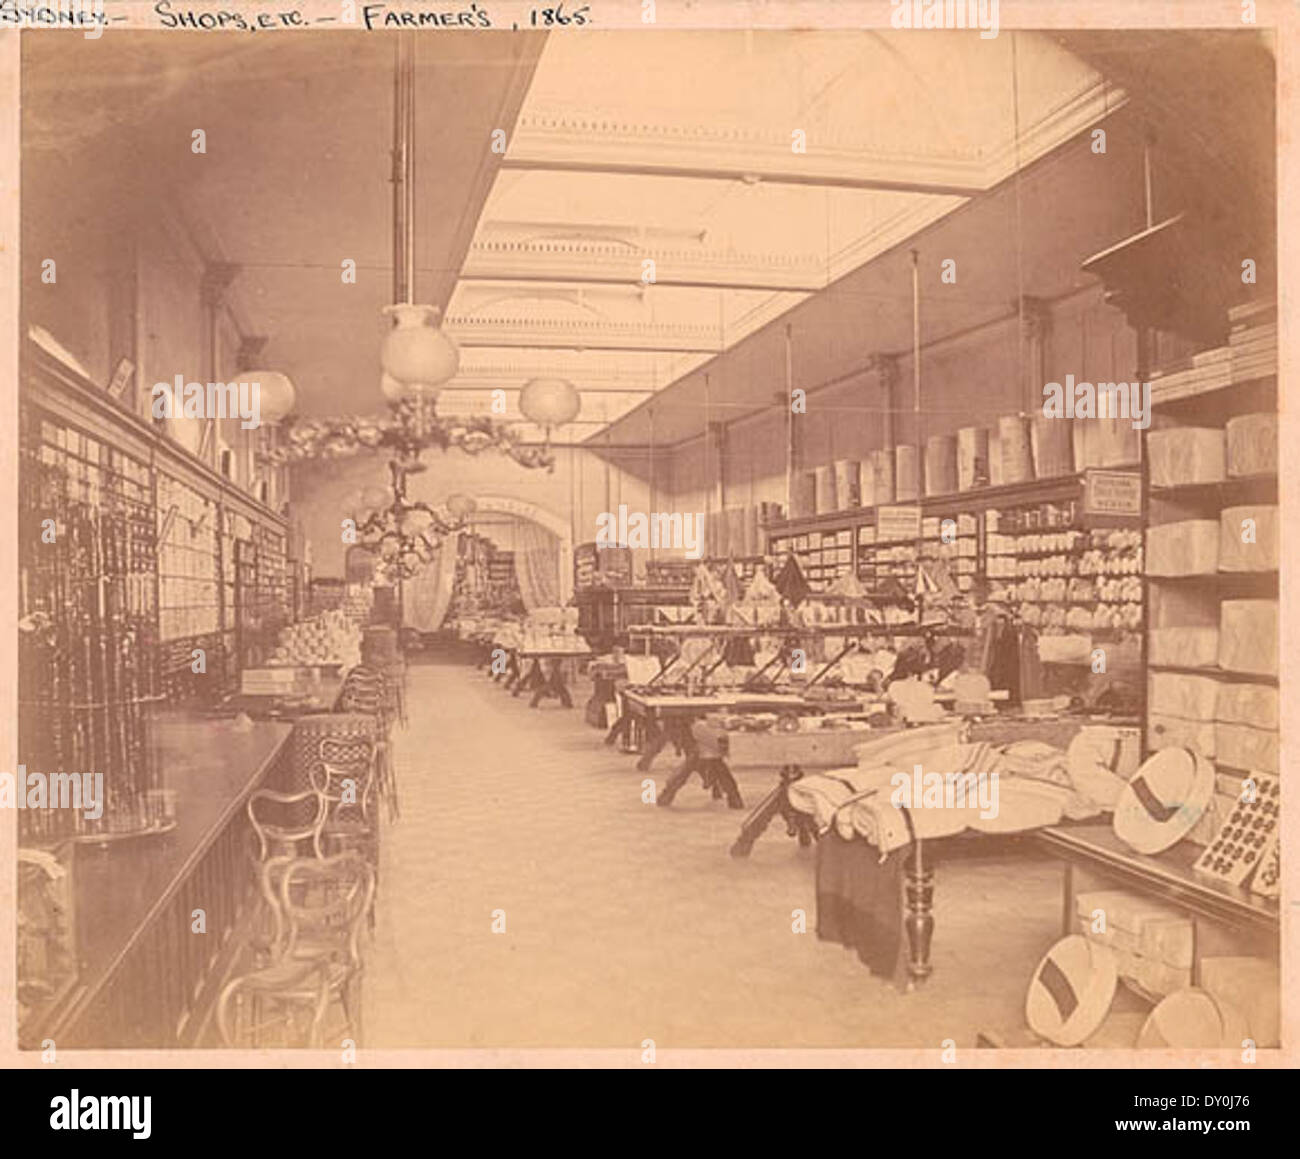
(1251, 445)
(1187, 455)
(1153, 943)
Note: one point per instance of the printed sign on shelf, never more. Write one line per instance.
(894, 524)
(1112, 493)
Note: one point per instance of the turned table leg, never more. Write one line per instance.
(918, 887)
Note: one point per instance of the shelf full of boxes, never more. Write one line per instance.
(186, 530)
(1212, 571)
(1056, 548)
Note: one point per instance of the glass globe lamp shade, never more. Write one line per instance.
(276, 397)
(374, 497)
(461, 505)
(550, 402)
(416, 353)
(414, 522)
(391, 389)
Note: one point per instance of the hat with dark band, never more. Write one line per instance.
(1164, 800)
(1071, 990)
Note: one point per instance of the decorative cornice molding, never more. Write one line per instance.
(517, 330)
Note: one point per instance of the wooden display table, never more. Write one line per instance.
(548, 682)
(666, 717)
(791, 754)
(1167, 877)
(605, 676)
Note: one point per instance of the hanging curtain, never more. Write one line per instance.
(537, 565)
(426, 597)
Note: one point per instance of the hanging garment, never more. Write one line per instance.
(790, 582)
(739, 652)
(1004, 659)
(860, 903)
(1031, 667)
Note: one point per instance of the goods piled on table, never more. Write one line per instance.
(330, 638)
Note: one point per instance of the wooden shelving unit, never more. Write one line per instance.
(207, 563)
(1195, 601)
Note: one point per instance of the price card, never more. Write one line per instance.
(894, 524)
(1113, 493)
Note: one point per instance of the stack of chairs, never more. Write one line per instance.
(346, 777)
(313, 960)
(317, 864)
(369, 693)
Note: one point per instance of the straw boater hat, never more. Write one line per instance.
(1071, 990)
(1193, 1018)
(1098, 760)
(1164, 800)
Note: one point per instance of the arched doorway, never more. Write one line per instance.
(542, 517)
(427, 597)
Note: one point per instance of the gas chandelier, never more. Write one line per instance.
(418, 356)
(405, 535)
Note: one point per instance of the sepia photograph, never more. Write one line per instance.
(742, 529)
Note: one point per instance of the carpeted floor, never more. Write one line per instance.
(624, 921)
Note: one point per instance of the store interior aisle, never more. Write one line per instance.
(623, 921)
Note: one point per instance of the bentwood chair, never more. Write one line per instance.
(287, 826)
(367, 690)
(315, 960)
(345, 776)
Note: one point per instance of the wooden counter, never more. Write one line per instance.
(141, 969)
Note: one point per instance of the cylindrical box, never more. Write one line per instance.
(906, 474)
(846, 483)
(803, 495)
(972, 457)
(866, 483)
(1052, 446)
(1017, 454)
(825, 488)
(941, 464)
(882, 473)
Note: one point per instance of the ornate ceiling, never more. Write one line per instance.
(663, 196)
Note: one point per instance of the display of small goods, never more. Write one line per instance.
(887, 567)
(1248, 837)
(759, 604)
(669, 573)
(189, 593)
(1067, 579)
(353, 600)
(330, 638)
(953, 541)
(87, 636)
(552, 630)
(595, 566)
(823, 556)
(274, 596)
